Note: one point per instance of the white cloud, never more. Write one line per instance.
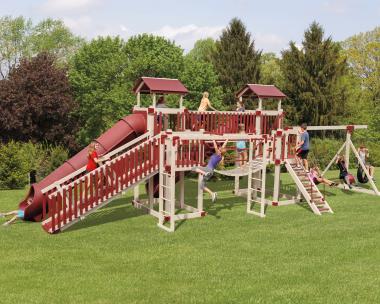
(186, 35)
(59, 6)
(336, 6)
(79, 25)
(269, 42)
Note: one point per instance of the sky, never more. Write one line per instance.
(272, 23)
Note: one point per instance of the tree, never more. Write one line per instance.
(97, 75)
(204, 50)
(271, 71)
(36, 102)
(19, 38)
(236, 61)
(313, 79)
(153, 56)
(363, 58)
(53, 36)
(199, 76)
(14, 42)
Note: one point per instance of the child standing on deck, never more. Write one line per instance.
(241, 149)
(303, 147)
(208, 171)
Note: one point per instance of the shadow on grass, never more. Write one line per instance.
(116, 211)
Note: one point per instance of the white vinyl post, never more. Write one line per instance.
(150, 192)
(173, 159)
(136, 192)
(263, 180)
(139, 99)
(347, 154)
(154, 98)
(334, 158)
(277, 168)
(259, 117)
(161, 183)
(181, 102)
(200, 194)
(237, 185)
(249, 190)
(182, 189)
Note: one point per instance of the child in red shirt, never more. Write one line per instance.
(92, 158)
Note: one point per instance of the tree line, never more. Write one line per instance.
(60, 89)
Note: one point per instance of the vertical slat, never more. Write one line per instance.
(64, 206)
(70, 202)
(75, 200)
(81, 193)
(52, 203)
(58, 211)
(86, 193)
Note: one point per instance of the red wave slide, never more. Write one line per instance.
(125, 130)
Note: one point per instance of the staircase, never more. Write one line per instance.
(309, 190)
(84, 194)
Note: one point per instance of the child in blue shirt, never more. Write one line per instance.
(17, 214)
(208, 171)
(241, 148)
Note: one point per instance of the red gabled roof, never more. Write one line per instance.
(261, 91)
(147, 85)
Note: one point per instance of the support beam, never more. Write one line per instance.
(347, 151)
(334, 158)
(200, 193)
(364, 169)
(182, 189)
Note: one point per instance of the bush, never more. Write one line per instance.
(18, 159)
(14, 166)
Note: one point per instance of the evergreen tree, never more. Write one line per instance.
(313, 79)
(236, 61)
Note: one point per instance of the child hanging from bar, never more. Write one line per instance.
(241, 148)
(17, 214)
(208, 171)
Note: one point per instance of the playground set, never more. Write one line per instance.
(157, 146)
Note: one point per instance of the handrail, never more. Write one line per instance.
(108, 163)
(82, 169)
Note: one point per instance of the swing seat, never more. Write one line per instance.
(362, 177)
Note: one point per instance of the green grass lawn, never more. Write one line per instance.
(119, 255)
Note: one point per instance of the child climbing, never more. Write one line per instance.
(303, 147)
(344, 175)
(316, 176)
(208, 171)
(17, 214)
(241, 150)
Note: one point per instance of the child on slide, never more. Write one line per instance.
(344, 175)
(316, 176)
(17, 214)
(208, 171)
(241, 148)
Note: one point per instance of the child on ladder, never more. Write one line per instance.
(208, 171)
